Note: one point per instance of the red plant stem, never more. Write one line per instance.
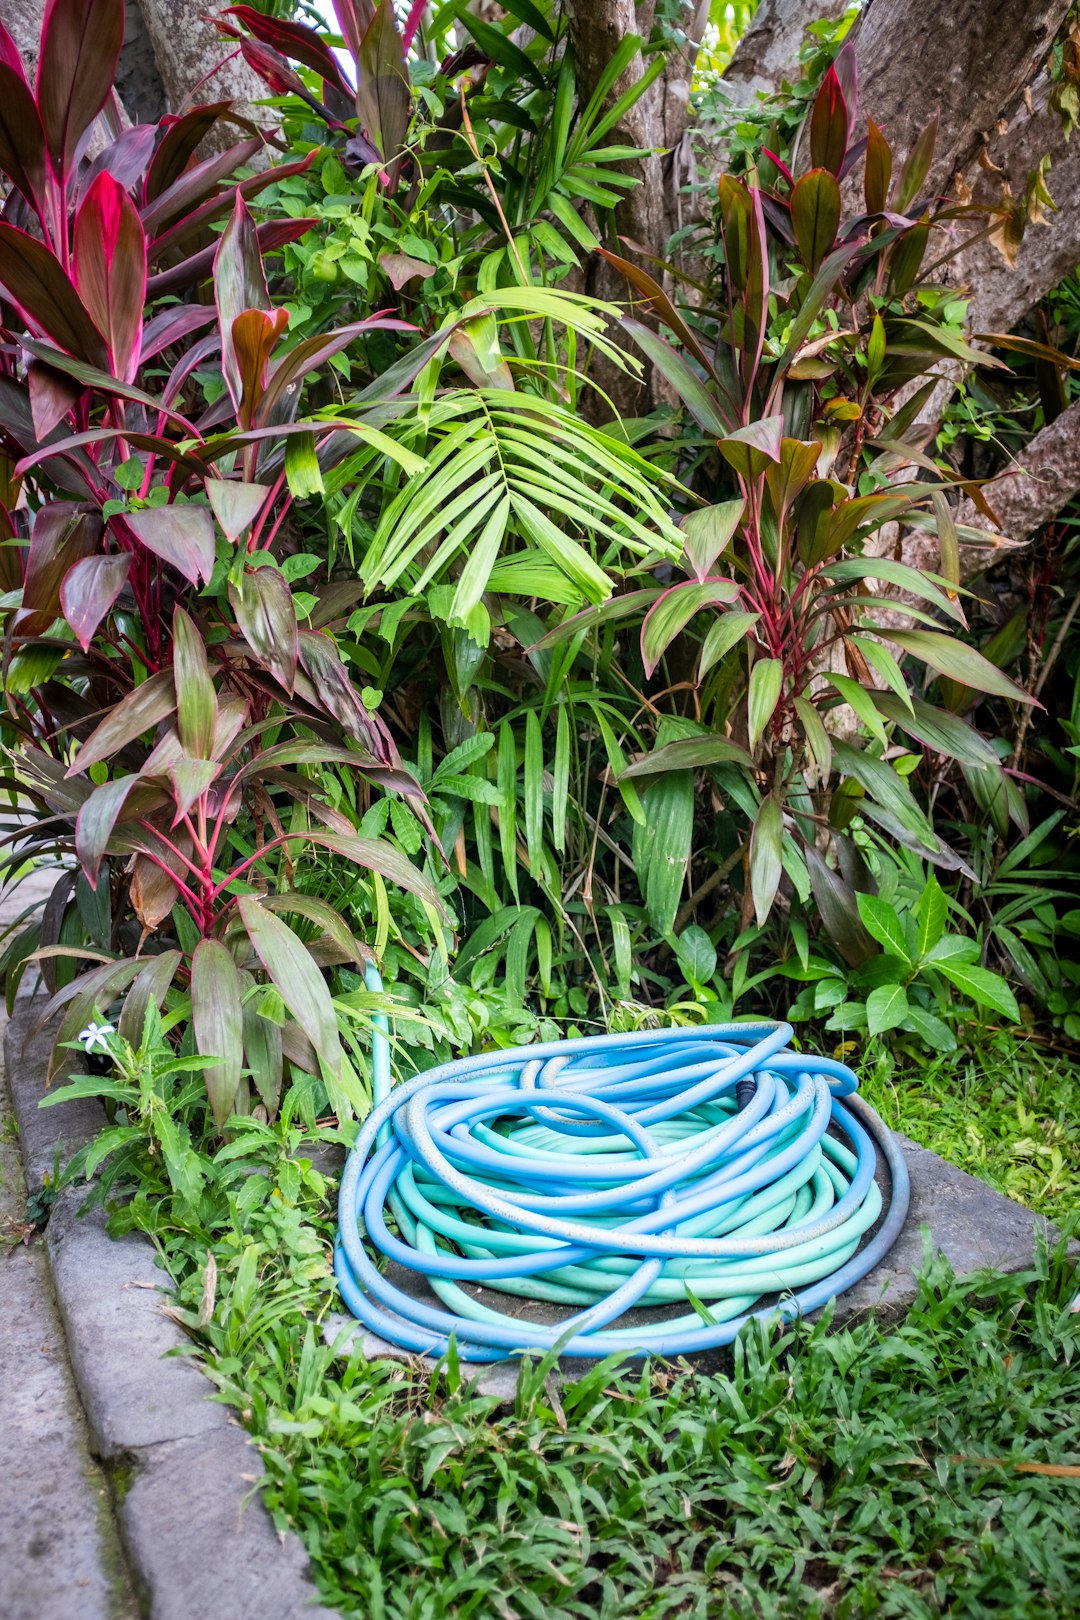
(170, 846)
(268, 507)
(412, 24)
(190, 899)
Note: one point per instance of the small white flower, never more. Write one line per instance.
(94, 1036)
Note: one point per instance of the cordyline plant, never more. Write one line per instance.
(163, 699)
(792, 372)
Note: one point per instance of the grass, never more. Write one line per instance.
(916, 1472)
(1008, 1112)
(844, 1475)
(928, 1470)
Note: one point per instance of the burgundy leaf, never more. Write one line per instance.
(10, 55)
(22, 139)
(80, 47)
(96, 820)
(37, 285)
(829, 125)
(265, 612)
(52, 395)
(337, 695)
(141, 710)
(878, 175)
(239, 287)
(110, 270)
(272, 234)
(282, 391)
(89, 590)
(170, 325)
(180, 138)
(273, 69)
(193, 188)
(293, 39)
(125, 158)
(354, 19)
(382, 83)
(61, 535)
(182, 535)
(194, 221)
(235, 505)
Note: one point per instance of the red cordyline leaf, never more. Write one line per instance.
(10, 54)
(354, 19)
(80, 47)
(829, 125)
(241, 295)
(22, 139)
(89, 590)
(36, 283)
(382, 83)
(110, 270)
(295, 40)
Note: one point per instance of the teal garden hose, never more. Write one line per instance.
(709, 1167)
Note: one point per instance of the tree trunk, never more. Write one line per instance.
(768, 52)
(966, 60)
(656, 123)
(187, 49)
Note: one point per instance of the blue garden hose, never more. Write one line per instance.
(608, 1174)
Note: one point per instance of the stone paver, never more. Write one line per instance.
(60, 1555)
(197, 1537)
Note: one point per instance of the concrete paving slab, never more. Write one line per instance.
(60, 1554)
(197, 1538)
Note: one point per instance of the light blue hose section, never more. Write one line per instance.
(709, 1167)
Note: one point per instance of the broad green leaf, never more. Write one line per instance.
(688, 753)
(815, 214)
(984, 988)
(930, 917)
(886, 1007)
(669, 809)
(765, 856)
(766, 679)
(196, 700)
(296, 978)
(697, 954)
(750, 449)
(817, 738)
(726, 631)
(888, 789)
(857, 698)
(882, 660)
(883, 923)
(839, 912)
(708, 532)
(218, 1023)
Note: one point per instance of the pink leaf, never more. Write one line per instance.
(80, 47)
(110, 270)
(182, 535)
(89, 591)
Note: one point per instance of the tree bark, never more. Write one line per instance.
(768, 52)
(186, 49)
(966, 60)
(656, 123)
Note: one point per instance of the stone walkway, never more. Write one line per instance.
(60, 1555)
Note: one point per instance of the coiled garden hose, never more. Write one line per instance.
(608, 1174)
